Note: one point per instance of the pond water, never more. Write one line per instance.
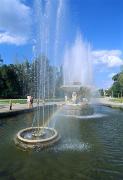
(90, 148)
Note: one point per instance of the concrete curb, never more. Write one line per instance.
(15, 112)
(115, 106)
(11, 113)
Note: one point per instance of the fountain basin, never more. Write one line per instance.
(78, 109)
(25, 139)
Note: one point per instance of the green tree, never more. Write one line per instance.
(38, 79)
(117, 88)
(101, 92)
(9, 82)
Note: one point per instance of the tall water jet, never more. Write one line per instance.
(47, 16)
(77, 66)
(77, 71)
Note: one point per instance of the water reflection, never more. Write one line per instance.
(88, 149)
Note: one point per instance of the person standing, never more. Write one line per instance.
(28, 101)
(31, 101)
(10, 105)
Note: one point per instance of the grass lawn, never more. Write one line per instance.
(7, 101)
(119, 100)
(24, 101)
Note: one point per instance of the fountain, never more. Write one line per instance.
(77, 66)
(36, 137)
(77, 70)
(41, 135)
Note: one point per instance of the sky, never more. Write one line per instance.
(99, 22)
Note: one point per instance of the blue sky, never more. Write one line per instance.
(99, 21)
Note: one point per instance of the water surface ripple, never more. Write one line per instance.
(91, 149)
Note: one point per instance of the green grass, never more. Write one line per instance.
(7, 101)
(24, 101)
(119, 100)
(54, 99)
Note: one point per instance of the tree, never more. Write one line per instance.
(117, 87)
(38, 79)
(101, 92)
(85, 92)
(59, 82)
(9, 82)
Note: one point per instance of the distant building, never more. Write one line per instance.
(1, 61)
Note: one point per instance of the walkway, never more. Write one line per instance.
(21, 108)
(107, 102)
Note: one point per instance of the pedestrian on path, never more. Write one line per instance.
(10, 105)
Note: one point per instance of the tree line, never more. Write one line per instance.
(31, 78)
(116, 90)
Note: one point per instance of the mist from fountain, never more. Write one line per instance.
(78, 79)
(48, 16)
(47, 21)
(77, 65)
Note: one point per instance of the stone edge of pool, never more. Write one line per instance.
(15, 112)
(115, 106)
(108, 103)
(8, 113)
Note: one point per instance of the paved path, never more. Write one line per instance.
(20, 108)
(107, 102)
(5, 108)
